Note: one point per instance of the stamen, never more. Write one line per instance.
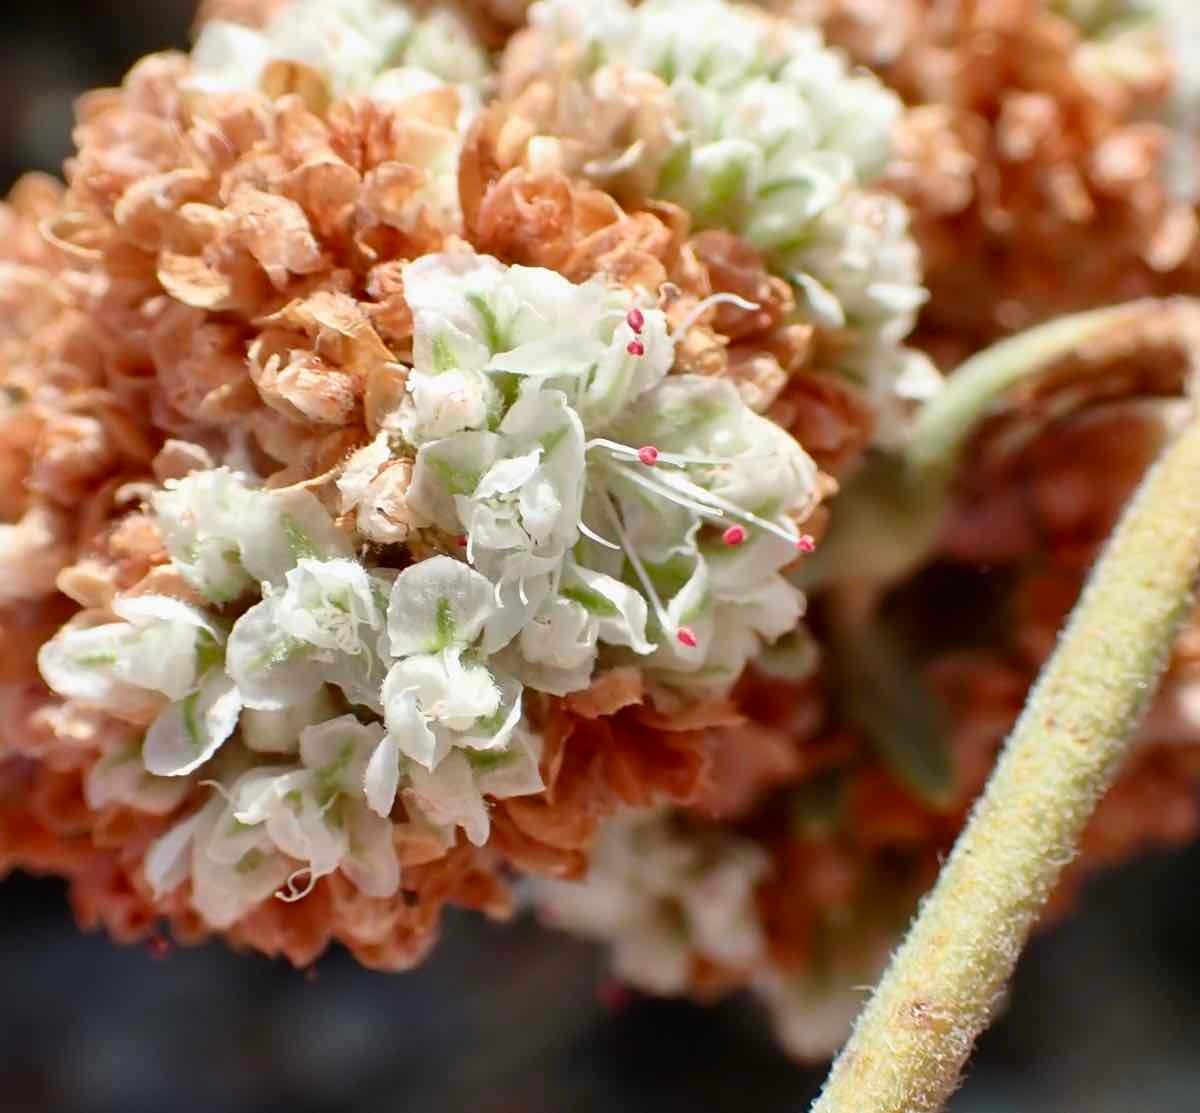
(687, 636)
(734, 536)
(666, 492)
(806, 543)
(220, 789)
(687, 488)
(650, 455)
(293, 894)
(716, 299)
(592, 535)
(639, 569)
(636, 348)
(636, 319)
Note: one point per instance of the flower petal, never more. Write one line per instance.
(407, 728)
(435, 604)
(448, 796)
(371, 862)
(190, 731)
(382, 777)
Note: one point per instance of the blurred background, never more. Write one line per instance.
(1104, 1015)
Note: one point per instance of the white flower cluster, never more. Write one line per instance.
(663, 896)
(606, 503)
(814, 1011)
(666, 894)
(539, 422)
(758, 127)
(375, 47)
(371, 679)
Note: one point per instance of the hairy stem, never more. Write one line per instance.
(890, 511)
(948, 421)
(913, 1039)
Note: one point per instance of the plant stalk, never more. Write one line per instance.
(913, 1039)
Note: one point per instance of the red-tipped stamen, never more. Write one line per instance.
(734, 536)
(676, 487)
(636, 320)
(687, 636)
(648, 455)
(806, 543)
(636, 348)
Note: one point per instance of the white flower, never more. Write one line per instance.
(276, 822)
(484, 332)
(556, 651)
(445, 711)
(120, 777)
(353, 42)
(758, 101)
(163, 648)
(160, 646)
(316, 813)
(232, 867)
(861, 253)
(663, 894)
(190, 731)
(226, 538)
(750, 123)
(324, 626)
(452, 795)
(516, 494)
(438, 696)
(720, 467)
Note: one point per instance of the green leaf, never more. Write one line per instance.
(882, 692)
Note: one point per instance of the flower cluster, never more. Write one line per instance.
(327, 640)
(409, 424)
(667, 896)
(609, 504)
(749, 123)
(533, 404)
(1032, 159)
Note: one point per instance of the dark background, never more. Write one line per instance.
(1105, 1013)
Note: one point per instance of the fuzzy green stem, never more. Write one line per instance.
(888, 516)
(912, 1041)
(946, 424)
